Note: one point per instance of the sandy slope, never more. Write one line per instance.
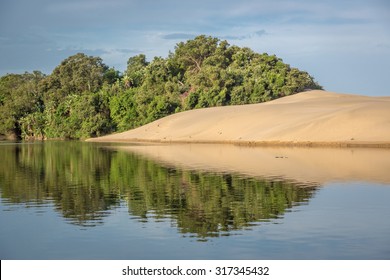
(317, 117)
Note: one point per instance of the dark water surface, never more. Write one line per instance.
(74, 200)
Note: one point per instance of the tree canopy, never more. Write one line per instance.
(83, 97)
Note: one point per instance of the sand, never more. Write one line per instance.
(308, 118)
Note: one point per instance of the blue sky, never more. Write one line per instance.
(345, 45)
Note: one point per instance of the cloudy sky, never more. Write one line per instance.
(344, 44)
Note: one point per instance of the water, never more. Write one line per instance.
(74, 200)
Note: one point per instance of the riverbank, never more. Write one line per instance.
(313, 118)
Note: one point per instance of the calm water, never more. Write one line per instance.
(73, 200)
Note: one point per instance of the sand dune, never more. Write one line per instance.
(307, 118)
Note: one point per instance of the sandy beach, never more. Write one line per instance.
(309, 118)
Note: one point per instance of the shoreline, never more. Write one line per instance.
(336, 144)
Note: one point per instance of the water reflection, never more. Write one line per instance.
(86, 182)
(299, 164)
(65, 174)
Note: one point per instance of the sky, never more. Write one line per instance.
(343, 44)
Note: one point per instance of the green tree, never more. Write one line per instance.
(111, 76)
(76, 107)
(20, 96)
(77, 74)
(135, 70)
(79, 117)
(191, 54)
(123, 109)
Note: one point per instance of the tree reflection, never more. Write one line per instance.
(85, 182)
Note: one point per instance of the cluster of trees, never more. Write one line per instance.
(83, 97)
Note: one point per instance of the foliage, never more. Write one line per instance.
(123, 109)
(77, 74)
(136, 70)
(83, 97)
(20, 96)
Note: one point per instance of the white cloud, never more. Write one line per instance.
(178, 36)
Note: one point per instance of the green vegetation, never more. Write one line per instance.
(84, 182)
(84, 98)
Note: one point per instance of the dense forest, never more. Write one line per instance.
(84, 98)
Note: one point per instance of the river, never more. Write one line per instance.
(77, 200)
